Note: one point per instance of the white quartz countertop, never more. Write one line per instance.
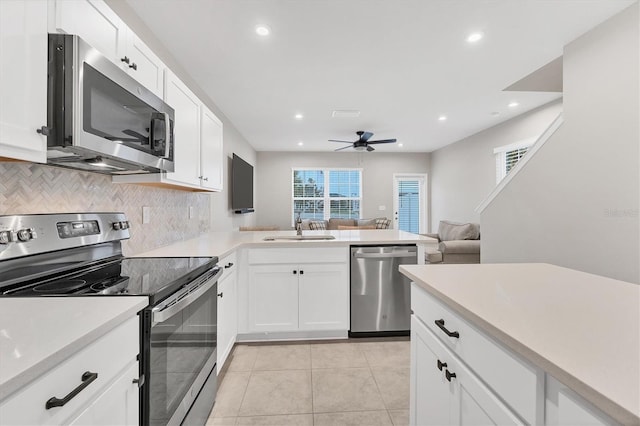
(222, 243)
(37, 333)
(583, 329)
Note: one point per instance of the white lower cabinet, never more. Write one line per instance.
(273, 297)
(298, 289)
(564, 407)
(445, 392)
(227, 308)
(117, 405)
(98, 385)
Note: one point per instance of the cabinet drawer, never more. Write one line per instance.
(296, 255)
(108, 356)
(229, 263)
(446, 391)
(520, 384)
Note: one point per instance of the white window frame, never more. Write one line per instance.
(501, 156)
(327, 198)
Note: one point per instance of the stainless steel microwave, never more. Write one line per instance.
(99, 118)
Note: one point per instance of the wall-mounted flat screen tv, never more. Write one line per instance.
(241, 185)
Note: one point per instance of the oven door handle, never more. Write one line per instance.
(169, 308)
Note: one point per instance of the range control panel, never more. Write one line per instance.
(23, 235)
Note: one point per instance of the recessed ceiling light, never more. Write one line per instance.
(299, 116)
(345, 113)
(474, 37)
(300, 143)
(513, 104)
(263, 30)
(400, 145)
(442, 118)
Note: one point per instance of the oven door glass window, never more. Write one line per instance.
(113, 113)
(181, 348)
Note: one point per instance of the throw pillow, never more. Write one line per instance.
(317, 225)
(383, 223)
(450, 231)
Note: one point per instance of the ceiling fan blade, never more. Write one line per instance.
(370, 148)
(383, 141)
(334, 140)
(366, 136)
(340, 149)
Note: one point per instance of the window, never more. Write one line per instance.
(325, 193)
(508, 156)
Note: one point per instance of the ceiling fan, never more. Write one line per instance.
(363, 142)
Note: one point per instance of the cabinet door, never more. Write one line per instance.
(564, 407)
(95, 23)
(273, 298)
(117, 405)
(187, 130)
(23, 79)
(324, 296)
(211, 152)
(145, 66)
(227, 315)
(429, 393)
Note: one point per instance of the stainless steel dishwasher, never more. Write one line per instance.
(380, 294)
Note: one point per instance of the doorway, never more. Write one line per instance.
(410, 202)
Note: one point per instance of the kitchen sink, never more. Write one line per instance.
(300, 237)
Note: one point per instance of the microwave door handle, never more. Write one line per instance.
(162, 313)
(167, 135)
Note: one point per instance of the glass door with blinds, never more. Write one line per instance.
(410, 202)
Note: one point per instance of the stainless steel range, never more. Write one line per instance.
(81, 255)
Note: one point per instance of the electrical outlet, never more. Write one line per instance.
(192, 212)
(146, 215)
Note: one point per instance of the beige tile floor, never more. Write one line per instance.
(344, 383)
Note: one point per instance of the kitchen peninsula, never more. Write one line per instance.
(274, 288)
(523, 342)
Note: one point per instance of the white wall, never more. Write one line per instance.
(576, 202)
(222, 217)
(464, 173)
(274, 179)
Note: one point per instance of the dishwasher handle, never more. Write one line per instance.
(384, 255)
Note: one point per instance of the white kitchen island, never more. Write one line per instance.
(530, 343)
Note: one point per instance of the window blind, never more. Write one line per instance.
(409, 205)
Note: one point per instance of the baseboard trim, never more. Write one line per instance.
(292, 335)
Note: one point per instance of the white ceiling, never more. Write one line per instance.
(402, 63)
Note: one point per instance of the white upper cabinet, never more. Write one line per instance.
(99, 26)
(211, 151)
(144, 65)
(94, 22)
(23, 79)
(186, 132)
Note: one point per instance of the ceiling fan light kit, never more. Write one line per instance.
(363, 143)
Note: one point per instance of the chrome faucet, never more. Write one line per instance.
(298, 225)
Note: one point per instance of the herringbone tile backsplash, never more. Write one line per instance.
(33, 188)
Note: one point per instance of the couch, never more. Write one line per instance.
(342, 224)
(457, 243)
